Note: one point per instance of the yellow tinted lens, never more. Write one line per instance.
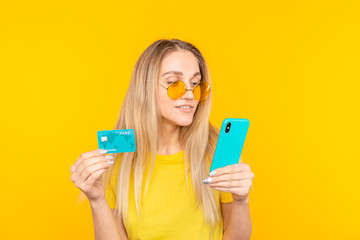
(201, 91)
(197, 92)
(176, 90)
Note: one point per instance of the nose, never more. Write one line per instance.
(188, 94)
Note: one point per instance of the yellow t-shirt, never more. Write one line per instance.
(168, 210)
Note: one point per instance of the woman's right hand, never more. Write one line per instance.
(86, 172)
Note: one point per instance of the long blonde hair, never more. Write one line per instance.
(140, 111)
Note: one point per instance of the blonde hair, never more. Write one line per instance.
(198, 139)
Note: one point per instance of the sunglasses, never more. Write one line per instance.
(177, 89)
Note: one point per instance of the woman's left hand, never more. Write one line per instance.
(235, 178)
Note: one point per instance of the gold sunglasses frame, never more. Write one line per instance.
(167, 89)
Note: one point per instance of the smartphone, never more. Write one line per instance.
(116, 141)
(230, 142)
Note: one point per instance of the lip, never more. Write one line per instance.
(184, 109)
(187, 105)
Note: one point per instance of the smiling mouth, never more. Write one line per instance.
(184, 107)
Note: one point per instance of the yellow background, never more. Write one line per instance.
(290, 67)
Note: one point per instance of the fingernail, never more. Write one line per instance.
(207, 180)
(109, 157)
(212, 173)
(103, 151)
(110, 162)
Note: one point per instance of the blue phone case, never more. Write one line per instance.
(116, 141)
(230, 144)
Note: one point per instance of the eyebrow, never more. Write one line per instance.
(180, 73)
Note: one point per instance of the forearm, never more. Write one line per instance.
(104, 222)
(239, 226)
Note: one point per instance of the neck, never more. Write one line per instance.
(168, 138)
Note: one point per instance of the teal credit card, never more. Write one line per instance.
(116, 141)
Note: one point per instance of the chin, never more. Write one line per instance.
(184, 122)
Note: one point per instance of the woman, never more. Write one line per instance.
(159, 191)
